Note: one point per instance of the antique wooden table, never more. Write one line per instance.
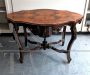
(44, 18)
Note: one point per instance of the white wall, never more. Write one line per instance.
(72, 5)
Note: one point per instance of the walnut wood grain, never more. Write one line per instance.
(45, 17)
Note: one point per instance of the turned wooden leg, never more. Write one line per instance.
(73, 37)
(63, 35)
(25, 35)
(15, 32)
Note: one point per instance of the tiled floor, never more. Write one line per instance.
(46, 62)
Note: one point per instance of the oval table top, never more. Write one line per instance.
(45, 17)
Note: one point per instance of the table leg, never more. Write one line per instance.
(63, 35)
(73, 37)
(25, 35)
(15, 32)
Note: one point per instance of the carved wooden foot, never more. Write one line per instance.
(21, 55)
(21, 61)
(68, 57)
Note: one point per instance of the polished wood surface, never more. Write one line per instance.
(45, 17)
